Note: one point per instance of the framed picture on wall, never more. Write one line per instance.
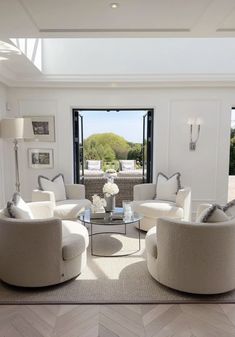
(43, 128)
(40, 158)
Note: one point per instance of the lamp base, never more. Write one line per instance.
(16, 147)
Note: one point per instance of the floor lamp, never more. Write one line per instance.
(16, 129)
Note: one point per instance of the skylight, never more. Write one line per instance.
(130, 56)
(31, 48)
(71, 57)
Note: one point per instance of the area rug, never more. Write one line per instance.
(110, 280)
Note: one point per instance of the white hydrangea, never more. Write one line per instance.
(110, 189)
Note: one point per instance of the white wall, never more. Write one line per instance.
(205, 170)
(3, 100)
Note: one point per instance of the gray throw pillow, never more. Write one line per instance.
(167, 188)
(18, 209)
(212, 214)
(55, 185)
(229, 208)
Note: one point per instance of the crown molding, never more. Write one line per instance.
(117, 81)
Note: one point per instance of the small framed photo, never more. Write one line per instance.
(41, 158)
(43, 128)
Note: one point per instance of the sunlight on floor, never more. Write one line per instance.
(108, 268)
(111, 268)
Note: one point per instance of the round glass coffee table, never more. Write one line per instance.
(115, 218)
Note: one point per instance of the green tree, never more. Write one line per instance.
(118, 144)
(110, 148)
(100, 150)
(109, 154)
(91, 151)
(136, 153)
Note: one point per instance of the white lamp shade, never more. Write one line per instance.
(191, 121)
(16, 128)
(198, 121)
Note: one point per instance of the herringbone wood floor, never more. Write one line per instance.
(196, 320)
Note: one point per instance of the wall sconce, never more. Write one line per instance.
(195, 126)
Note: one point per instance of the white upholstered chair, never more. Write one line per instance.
(70, 208)
(93, 168)
(192, 257)
(42, 251)
(152, 209)
(128, 169)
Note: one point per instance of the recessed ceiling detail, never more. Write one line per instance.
(92, 18)
(131, 15)
(169, 30)
(228, 24)
(98, 49)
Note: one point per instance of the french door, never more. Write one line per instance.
(78, 144)
(78, 147)
(147, 147)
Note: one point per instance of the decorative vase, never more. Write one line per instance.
(110, 203)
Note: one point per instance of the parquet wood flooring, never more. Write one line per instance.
(177, 320)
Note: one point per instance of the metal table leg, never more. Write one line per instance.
(91, 236)
(139, 234)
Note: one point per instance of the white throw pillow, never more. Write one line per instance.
(167, 188)
(212, 214)
(127, 165)
(18, 209)
(93, 165)
(55, 185)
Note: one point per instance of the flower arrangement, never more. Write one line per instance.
(110, 189)
(98, 203)
(111, 171)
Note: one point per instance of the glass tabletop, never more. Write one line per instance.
(116, 217)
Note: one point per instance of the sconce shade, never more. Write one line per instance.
(190, 121)
(16, 128)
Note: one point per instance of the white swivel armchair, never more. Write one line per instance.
(192, 257)
(70, 208)
(152, 209)
(41, 251)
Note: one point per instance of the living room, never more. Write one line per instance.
(185, 74)
(205, 170)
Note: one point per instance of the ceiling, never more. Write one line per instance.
(96, 18)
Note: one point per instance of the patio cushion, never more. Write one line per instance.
(129, 173)
(93, 164)
(127, 165)
(93, 173)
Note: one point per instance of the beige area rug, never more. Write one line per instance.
(109, 280)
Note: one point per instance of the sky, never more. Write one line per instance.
(128, 124)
